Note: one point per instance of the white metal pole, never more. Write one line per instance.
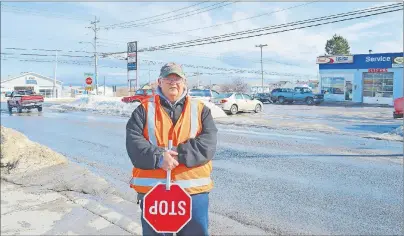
(168, 178)
(104, 85)
(96, 56)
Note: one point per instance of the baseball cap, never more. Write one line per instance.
(172, 68)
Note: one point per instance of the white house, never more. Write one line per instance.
(40, 84)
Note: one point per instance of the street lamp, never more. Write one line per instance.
(262, 68)
(96, 64)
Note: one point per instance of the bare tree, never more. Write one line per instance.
(240, 86)
(235, 85)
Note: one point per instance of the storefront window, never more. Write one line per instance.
(332, 85)
(378, 85)
(46, 92)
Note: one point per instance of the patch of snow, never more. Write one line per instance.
(114, 106)
(217, 112)
(398, 131)
(98, 104)
(394, 135)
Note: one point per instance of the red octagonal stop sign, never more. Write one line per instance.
(167, 211)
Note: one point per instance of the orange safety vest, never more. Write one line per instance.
(157, 130)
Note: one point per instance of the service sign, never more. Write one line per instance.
(334, 59)
(397, 62)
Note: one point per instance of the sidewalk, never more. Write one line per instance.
(27, 211)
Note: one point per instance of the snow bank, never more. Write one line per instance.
(29, 163)
(18, 154)
(114, 106)
(217, 112)
(99, 104)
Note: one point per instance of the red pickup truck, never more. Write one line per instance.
(139, 96)
(24, 99)
(398, 108)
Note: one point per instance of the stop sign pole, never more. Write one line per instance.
(168, 177)
(167, 208)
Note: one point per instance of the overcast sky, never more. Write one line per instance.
(53, 25)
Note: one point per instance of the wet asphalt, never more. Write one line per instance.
(282, 182)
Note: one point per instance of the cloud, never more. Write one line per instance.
(293, 51)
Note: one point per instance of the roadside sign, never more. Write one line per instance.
(89, 80)
(167, 211)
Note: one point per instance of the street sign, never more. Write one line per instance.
(167, 211)
(89, 80)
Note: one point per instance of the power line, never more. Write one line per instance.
(49, 13)
(210, 40)
(225, 71)
(281, 26)
(281, 31)
(174, 17)
(43, 55)
(165, 13)
(235, 21)
(47, 50)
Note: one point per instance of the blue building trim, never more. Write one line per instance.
(361, 64)
(365, 61)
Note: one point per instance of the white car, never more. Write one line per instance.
(205, 95)
(236, 102)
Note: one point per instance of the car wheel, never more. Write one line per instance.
(309, 101)
(10, 108)
(39, 109)
(281, 100)
(233, 109)
(19, 108)
(258, 108)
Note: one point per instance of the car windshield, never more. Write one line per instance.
(224, 95)
(140, 92)
(28, 92)
(199, 93)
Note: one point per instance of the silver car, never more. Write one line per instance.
(238, 102)
(206, 95)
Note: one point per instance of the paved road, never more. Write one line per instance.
(278, 181)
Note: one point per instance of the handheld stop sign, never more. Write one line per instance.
(167, 208)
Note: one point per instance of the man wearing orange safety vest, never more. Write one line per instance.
(172, 115)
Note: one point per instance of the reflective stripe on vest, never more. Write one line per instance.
(194, 118)
(151, 182)
(151, 112)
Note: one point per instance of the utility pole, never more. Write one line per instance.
(262, 68)
(104, 85)
(197, 76)
(149, 74)
(54, 78)
(95, 29)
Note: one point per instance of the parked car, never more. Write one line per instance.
(398, 108)
(302, 94)
(263, 97)
(206, 95)
(238, 102)
(140, 95)
(24, 99)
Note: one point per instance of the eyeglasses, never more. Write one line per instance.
(173, 80)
